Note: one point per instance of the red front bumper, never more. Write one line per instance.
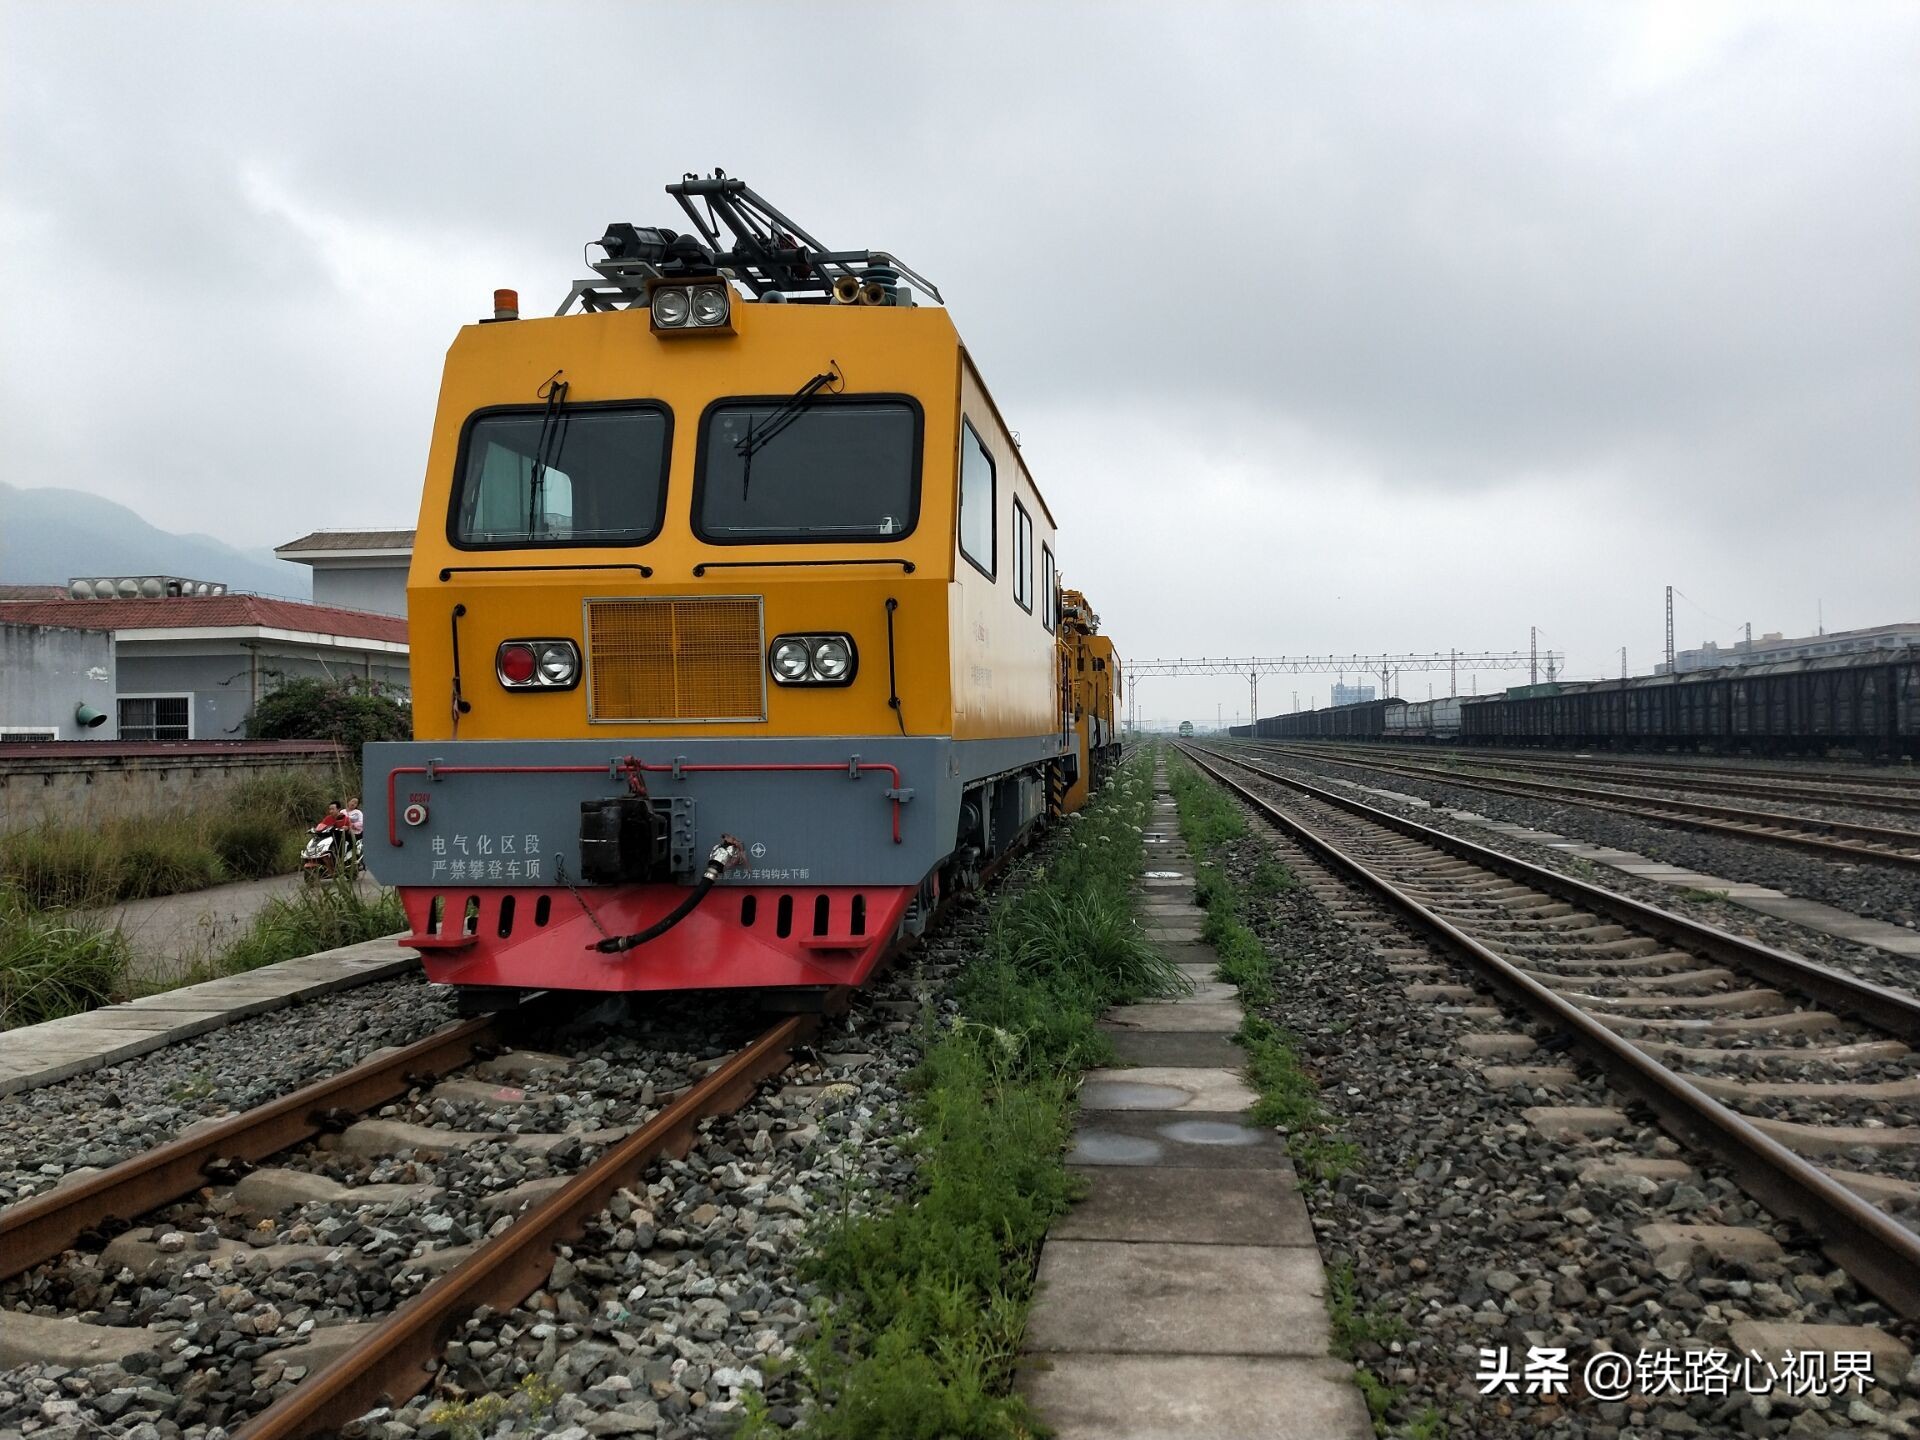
(758, 937)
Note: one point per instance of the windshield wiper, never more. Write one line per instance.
(553, 435)
(756, 440)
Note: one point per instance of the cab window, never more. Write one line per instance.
(829, 469)
(1022, 557)
(576, 477)
(1049, 589)
(976, 502)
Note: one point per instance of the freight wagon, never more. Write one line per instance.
(1868, 704)
(1364, 721)
(1434, 720)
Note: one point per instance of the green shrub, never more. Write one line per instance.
(255, 844)
(348, 712)
(320, 917)
(54, 965)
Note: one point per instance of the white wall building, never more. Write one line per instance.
(182, 667)
(356, 569)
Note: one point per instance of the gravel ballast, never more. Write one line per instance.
(1879, 891)
(1476, 1231)
(682, 1305)
(1866, 961)
(108, 1115)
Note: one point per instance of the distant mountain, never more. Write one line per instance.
(49, 536)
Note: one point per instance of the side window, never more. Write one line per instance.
(1022, 557)
(976, 502)
(1049, 590)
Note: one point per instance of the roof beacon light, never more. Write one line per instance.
(506, 304)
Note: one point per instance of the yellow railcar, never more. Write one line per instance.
(1090, 687)
(735, 624)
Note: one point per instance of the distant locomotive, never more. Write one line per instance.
(738, 639)
(1186, 729)
(1868, 704)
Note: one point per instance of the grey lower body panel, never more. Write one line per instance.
(507, 812)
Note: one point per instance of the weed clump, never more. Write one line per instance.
(254, 844)
(53, 965)
(245, 833)
(159, 860)
(321, 917)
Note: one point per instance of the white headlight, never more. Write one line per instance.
(790, 660)
(831, 659)
(558, 663)
(710, 305)
(671, 307)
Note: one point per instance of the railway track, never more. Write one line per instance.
(1893, 791)
(1697, 1024)
(394, 1356)
(1832, 838)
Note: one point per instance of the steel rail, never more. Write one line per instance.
(1882, 1255)
(1891, 777)
(1773, 785)
(41, 1227)
(395, 1360)
(1689, 814)
(1893, 1011)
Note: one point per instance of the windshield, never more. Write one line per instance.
(832, 470)
(603, 483)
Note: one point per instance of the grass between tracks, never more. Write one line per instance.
(1289, 1093)
(932, 1295)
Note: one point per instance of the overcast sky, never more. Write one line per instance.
(1325, 327)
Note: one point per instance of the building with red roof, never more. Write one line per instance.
(183, 665)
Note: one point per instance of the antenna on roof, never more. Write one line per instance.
(760, 247)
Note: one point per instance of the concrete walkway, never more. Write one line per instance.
(1184, 1296)
(33, 1055)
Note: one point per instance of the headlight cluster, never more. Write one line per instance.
(537, 664)
(812, 659)
(707, 306)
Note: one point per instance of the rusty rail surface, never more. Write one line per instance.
(40, 1227)
(1881, 1254)
(1877, 790)
(395, 1360)
(1894, 1011)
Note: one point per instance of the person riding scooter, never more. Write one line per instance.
(333, 848)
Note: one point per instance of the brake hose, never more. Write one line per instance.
(727, 854)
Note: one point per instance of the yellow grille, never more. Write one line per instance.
(676, 659)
